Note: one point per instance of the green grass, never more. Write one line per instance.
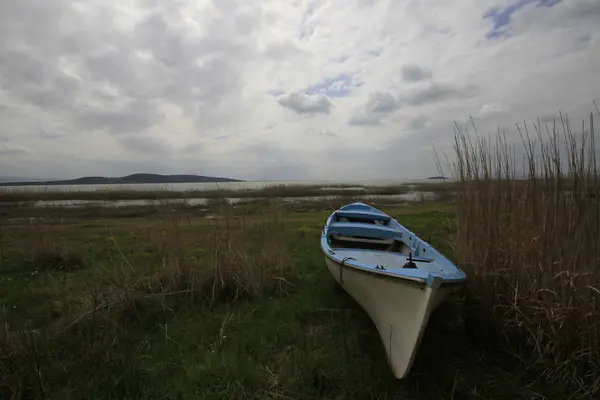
(136, 315)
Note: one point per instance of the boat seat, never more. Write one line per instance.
(363, 215)
(362, 230)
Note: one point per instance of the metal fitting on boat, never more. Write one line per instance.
(341, 269)
(346, 259)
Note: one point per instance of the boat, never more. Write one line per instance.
(397, 278)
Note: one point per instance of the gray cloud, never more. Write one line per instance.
(379, 105)
(330, 133)
(306, 104)
(382, 102)
(585, 9)
(262, 158)
(419, 122)
(49, 135)
(12, 149)
(145, 144)
(362, 118)
(415, 73)
(36, 82)
(123, 118)
(550, 118)
(437, 92)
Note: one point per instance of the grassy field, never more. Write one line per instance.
(235, 302)
(239, 306)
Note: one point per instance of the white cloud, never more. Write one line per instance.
(251, 89)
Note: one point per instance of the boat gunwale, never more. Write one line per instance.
(416, 259)
(381, 274)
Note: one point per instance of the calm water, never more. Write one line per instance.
(205, 186)
(410, 196)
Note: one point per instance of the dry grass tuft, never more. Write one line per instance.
(529, 238)
(18, 357)
(48, 255)
(235, 257)
(247, 257)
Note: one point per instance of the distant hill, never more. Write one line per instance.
(129, 179)
(437, 177)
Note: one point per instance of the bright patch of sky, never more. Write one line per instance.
(339, 86)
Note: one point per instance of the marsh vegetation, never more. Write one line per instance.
(234, 301)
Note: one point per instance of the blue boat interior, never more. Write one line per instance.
(363, 237)
(358, 227)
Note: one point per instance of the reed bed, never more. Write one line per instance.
(528, 235)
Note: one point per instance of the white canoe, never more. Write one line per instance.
(397, 278)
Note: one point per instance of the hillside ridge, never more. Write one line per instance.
(129, 179)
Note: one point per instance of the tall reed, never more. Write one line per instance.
(248, 256)
(528, 236)
(235, 256)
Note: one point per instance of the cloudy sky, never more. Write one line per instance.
(274, 89)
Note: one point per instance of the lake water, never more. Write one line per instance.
(410, 196)
(206, 186)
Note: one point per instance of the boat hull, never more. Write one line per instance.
(399, 309)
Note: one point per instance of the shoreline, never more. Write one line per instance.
(9, 196)
(33, 212)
